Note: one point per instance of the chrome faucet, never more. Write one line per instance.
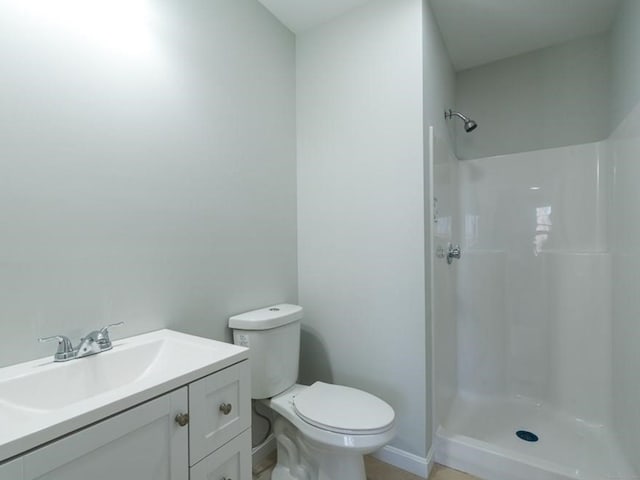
(95, 342)
(65, 348)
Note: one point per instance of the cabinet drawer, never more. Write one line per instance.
(219, 410)
(231, 462)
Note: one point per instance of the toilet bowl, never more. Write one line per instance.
(347, 419)
(317, 441)
(322, 431)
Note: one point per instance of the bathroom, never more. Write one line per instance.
(170, 164)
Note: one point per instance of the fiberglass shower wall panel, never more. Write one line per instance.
(482, 324)
(445, 229)
(580, 335)
(515, 209)
(625, 221)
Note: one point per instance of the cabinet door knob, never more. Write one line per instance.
(226, 409)
(182, 419)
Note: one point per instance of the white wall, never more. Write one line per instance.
(549, 98)
(440, 181)
(360, 208)
(625, 61)
(147, 167)
(438, 76)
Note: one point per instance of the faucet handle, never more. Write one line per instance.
(65, 347)
(103, 335)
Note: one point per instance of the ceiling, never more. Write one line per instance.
(482, 31)
(477, 31)
(300, 15)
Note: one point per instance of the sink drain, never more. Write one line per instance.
(527, 436)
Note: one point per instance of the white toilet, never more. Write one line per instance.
(322, 431)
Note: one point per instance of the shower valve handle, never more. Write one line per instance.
(454, 252)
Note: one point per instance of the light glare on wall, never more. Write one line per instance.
(120, 26)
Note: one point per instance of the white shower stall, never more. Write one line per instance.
(536, 328)
(523, 322)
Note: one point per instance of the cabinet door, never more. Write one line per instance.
(230, 462)
(12, 470)
(220, 409)
(144, 443)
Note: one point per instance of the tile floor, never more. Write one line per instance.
(376, 470)
(438, 472)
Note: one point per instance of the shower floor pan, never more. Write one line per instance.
(479, 437)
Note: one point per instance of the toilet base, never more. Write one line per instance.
(302, 459)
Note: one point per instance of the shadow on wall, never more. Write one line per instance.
(259, 426)
(314, 359)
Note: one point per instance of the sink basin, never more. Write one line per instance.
(42, 400)
(78, 380)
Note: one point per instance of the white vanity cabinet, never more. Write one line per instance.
(12, 470)
(230, 462)
(220, 409)
(143, 443)
(147, 442)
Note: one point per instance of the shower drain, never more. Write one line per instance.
(527, 436)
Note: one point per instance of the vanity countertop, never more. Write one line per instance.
(42, 400)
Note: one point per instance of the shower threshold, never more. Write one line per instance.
(479, 437)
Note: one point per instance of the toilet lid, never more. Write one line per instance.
(343, 409)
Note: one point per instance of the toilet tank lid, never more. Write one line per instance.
(266, 318)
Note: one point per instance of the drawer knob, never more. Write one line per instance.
(182, 419)
(225, 408)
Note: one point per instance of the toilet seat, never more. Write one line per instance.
(344, 410)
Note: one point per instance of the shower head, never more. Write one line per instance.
(469, 125)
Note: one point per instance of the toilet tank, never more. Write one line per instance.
(272, 335)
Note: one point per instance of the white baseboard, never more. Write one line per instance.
(409, 462)
(263, 450)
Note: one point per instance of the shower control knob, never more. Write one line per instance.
(454, 252)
